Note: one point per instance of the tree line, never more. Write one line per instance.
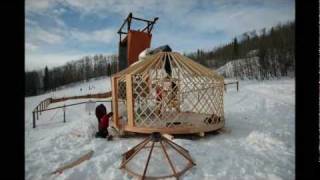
(275, 48)
(88, 67)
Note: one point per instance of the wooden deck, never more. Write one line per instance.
(181, 123)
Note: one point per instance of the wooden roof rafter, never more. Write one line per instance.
(180, 61)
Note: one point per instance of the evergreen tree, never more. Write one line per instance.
(46, 77)
(235, 48)
(108, 69)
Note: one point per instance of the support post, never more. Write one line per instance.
(40, 107)
(225, 87)
(37, 112)
(64, 113)
(114, 103)
(129, 21)
(33, 120)
(237, 86)
(129, 95)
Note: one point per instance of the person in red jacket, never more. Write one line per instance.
(101, 110)
(103, 120)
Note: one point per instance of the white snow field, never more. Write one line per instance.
(259, 142)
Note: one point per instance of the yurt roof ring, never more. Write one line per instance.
(140, 66)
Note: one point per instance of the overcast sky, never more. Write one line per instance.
(58, 31)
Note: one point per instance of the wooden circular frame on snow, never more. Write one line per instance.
(157, 141)
(168, 93)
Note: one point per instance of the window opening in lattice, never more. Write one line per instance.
(122, 105)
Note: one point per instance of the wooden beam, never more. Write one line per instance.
(135, 150)
(137, 68)
(168, 136)
(130, 100)
(115, 102)
(169, 161)
(146, 166)
(74, 163)
(187, 156)
(174, 130)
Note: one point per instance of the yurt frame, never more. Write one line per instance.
(156, 140)
(189, 100)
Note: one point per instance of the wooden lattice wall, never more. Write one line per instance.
(186, 99)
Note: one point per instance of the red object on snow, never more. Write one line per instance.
(104, 121)
(159, 93)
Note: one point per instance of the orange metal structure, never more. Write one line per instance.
(134, 42)
(137, 42)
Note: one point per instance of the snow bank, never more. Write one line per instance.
(244, 68)
(250, 68)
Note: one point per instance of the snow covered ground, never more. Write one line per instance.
(259, 145)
